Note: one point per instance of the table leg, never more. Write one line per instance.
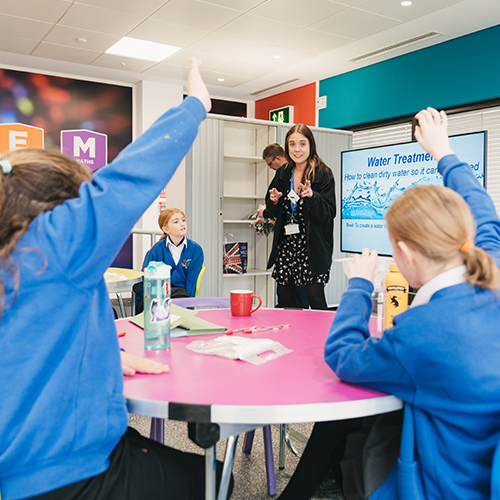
(228, 465)
(289, 443)
(283, 430)
(122, 305)
(285, 440)
(157, 430)
(210, 473)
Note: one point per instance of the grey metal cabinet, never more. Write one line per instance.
(226, 179)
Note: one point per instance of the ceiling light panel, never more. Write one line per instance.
(142, 49)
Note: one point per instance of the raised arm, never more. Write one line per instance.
(99, 221)
(432, 135)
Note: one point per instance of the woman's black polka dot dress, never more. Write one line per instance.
(292, 263)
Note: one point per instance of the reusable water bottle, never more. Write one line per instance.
(157, 306)
(397, 294)
(379, 298)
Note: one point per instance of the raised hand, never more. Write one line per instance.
(306, 191)
(196, 86)
(275, 195)
(432, 132)
(364, 265)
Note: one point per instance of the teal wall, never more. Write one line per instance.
(461, 71)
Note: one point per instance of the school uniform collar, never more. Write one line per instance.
(452, 277)
(180, 246)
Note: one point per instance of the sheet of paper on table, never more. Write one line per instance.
(183, 322)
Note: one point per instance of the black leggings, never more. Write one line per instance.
(315, 296)
(142, 469)
(324, 451)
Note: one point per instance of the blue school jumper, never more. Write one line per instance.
(62, 409)
(441, 358)
(185, 273)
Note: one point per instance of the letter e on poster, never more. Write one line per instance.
(17, 136)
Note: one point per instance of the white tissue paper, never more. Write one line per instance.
(234, 347)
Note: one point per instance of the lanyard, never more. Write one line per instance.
(293, 203)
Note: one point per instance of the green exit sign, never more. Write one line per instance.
(282, 115)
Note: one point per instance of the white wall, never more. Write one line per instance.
(151, 100)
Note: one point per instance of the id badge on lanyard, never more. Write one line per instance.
(292, 228)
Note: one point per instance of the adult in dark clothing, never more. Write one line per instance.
(274, 156)
(301, 198)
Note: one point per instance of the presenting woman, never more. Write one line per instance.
(301, 198)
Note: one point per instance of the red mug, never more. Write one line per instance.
(242, 301)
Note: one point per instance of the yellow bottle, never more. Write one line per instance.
(397, 294)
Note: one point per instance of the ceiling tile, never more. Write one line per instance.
(197, 15)
(170, 34)
(393, 9)
(346, 3)
(64, 53)
(143, 7)
(241, 5)
(257, 29)
(123, 63)
(208, 61)
(225, 45)
(64, 35)
(12, 25)
(244, 68)
(354, 23)
(311, 41)
(212, 77)
(17, 45)
(264, 55)
(98, 19)
(42, 10)
(297, 12)
(169, 71)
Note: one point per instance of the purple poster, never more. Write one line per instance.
(85, 146)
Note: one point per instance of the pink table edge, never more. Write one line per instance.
(236, 392)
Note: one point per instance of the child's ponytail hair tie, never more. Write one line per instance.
(467, 246)
(6, 166)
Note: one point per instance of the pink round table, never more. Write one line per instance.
(223, 397)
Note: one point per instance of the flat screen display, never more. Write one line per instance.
(373, 178)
